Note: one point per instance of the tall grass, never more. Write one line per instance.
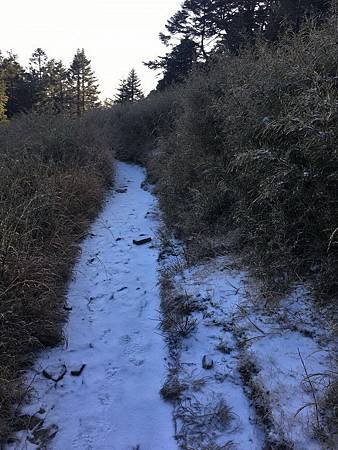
(251, 152)
(54, 172)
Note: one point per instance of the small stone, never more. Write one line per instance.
(67, 308)
(77, 372)
(122, 289)
(55, 372)
(207, 363)
(121, 191)
(142, 241)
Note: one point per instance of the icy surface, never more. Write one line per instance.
(115, 403)
(285, 344)
(220, 292)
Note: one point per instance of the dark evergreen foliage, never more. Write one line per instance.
(84, 88)
(226, 26)
(47, 85)
(177, 64)
(130, 89)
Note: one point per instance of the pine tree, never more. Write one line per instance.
(177, 64)
(133, 87)
(38, 62)
(209, 22)
(208, 26)
(130, 89)
(56, 97)
(121, 96)
(200, 21)
(37, 77)
(84, 87)
(17, 84)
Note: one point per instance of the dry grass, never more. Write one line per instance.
(172, 388)
(327, 432)
(54, 172)
(201, 423)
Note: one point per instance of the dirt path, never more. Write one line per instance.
(114, 403)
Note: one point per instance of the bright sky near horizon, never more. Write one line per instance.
(117, 35)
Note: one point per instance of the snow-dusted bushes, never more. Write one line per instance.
(254, 150)
(53, 175)
(248, 145)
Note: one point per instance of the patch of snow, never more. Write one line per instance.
(219, 293)
(285, 343)
(295, 345)
(114, 403)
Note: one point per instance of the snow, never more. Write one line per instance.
(296, 344)
(293, 331)
(113, 328)
(114, 404)
(208, 283)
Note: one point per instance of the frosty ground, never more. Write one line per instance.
(269, 366)
(113, 329)
(254, 391)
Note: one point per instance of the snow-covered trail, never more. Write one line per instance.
(115, 403)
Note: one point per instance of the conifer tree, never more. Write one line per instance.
(133, 87)
(196, 20)
(130, 89)
(84, 87)
(17, 85)
(38, 78)
(121, 96)
(38, 62)
(176, 64)
(56, 97)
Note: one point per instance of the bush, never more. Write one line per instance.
(54, 172)
(137, 126)
(251, 151)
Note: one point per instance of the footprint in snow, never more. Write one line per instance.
(136, 362)
(111, 372)
(104, 398)
(125, 339)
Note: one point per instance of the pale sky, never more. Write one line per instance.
(117, 35)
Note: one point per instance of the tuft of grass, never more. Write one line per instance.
(201, 423)
(172, 388)
(327, 432)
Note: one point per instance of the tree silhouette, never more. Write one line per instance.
(130, 89)
(83, 84)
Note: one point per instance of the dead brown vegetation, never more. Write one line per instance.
(54, 172)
